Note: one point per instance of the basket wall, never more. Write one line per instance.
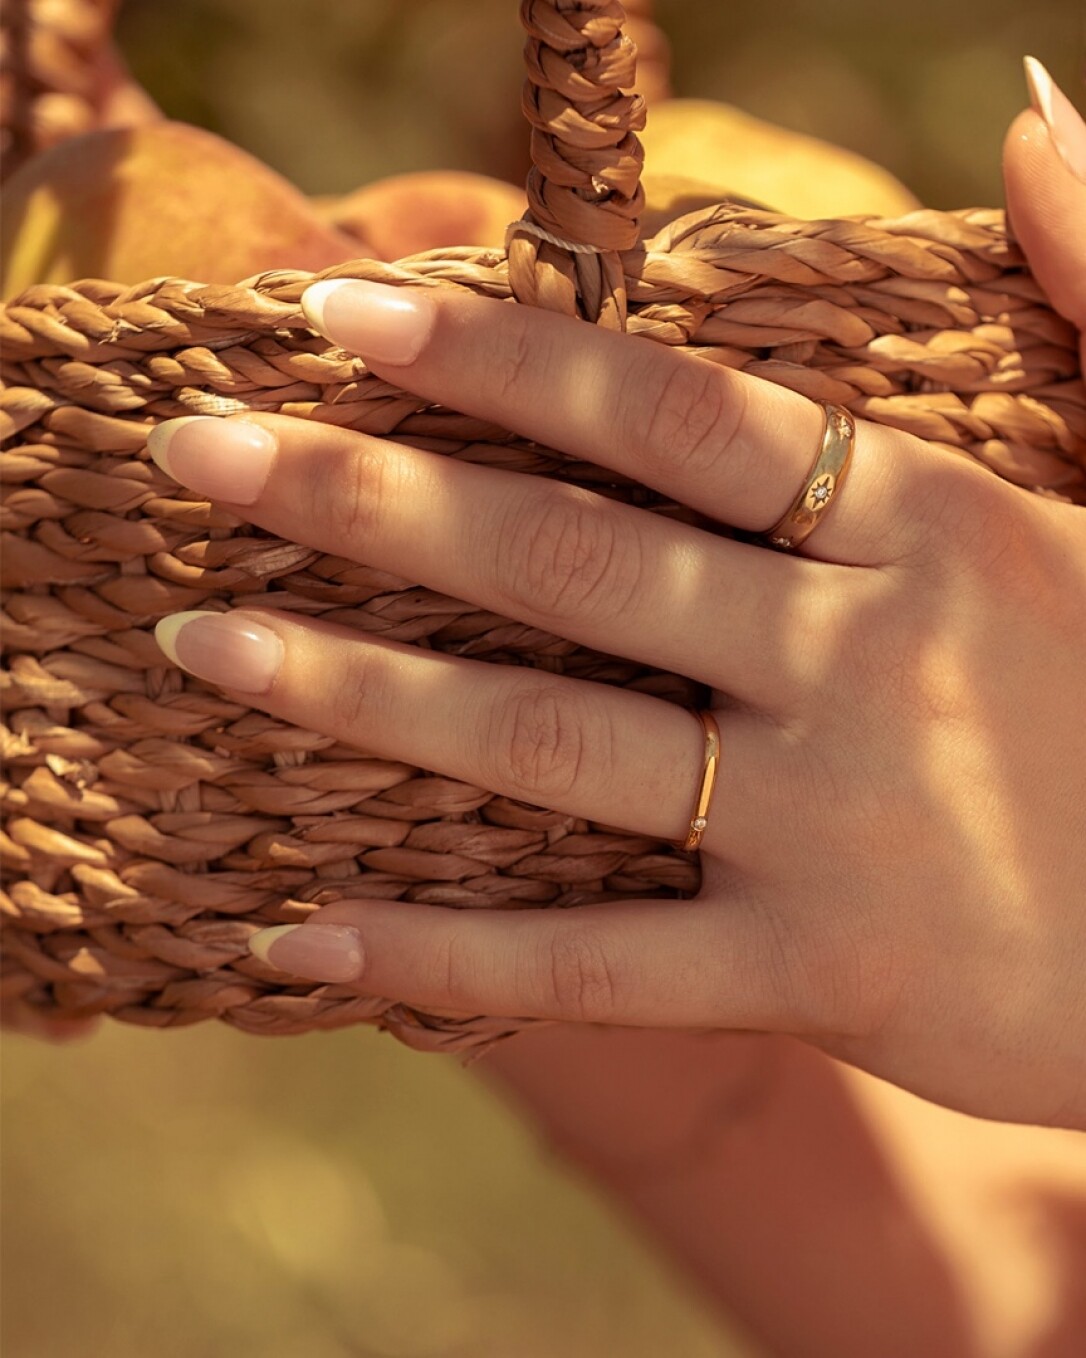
(150, 826)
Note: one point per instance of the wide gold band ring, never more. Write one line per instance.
(825, 479)
(700, 819)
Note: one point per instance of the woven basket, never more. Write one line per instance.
(150, 825)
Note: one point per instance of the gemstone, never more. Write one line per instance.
(700, 822)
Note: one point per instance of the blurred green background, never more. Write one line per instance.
(334, 96)
(337, 1196)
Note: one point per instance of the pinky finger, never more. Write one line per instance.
(651, 963)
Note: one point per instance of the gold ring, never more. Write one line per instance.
(700, 819)
(825, 479)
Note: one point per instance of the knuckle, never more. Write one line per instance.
(347, 502)
(541, 740)
(346, 703)
(692, 417)
(580, 975)
(981, 525)
(1004, 545)
(837, 971)
(353, 695)
(564, 554)
(514, 357)
(930, 688)
(842, 641)
(455, 972)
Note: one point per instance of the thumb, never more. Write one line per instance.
(1044, 171)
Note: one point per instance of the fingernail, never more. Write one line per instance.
(319, 952)
(223, 648)
(1063, 119)
(222, 459)
(371, 319)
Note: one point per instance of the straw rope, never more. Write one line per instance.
(150, 825)
(54, 73)
(584, 186)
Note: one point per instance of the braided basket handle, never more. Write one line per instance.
(57, 73)
(584, 189)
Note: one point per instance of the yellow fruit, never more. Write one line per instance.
(668, 196)
(429, 210)
(134, 203)
(698, 145)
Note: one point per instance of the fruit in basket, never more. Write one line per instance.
(165, 198)
(406, 214)
(729, 153)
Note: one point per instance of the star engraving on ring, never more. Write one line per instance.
(820, 492)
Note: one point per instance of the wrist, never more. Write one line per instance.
(633, 1105)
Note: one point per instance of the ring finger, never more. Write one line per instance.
(604, 574)
(606, 754)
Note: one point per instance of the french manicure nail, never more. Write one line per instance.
(319, 952)
(375, 320)
(1064, 120)
(222, 459)
(223, 648)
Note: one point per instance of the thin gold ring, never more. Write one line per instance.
(824, 480)
(700, 819)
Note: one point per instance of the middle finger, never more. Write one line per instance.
(598, 572)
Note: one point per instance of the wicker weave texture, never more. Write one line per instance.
(150, 825)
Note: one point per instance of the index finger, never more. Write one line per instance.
(732, 446)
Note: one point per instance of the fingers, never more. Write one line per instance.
(732, 446)
(554, 556)
(663, 964)
(18, 1016)
(605, 754)
(1044, 169)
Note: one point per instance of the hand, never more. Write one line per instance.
(894, 858)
